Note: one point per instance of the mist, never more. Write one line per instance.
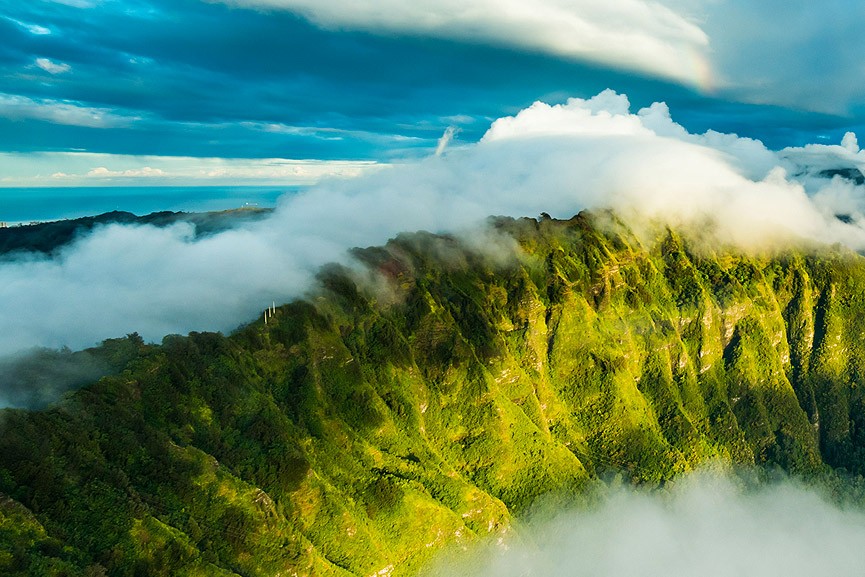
(36, 378)
(557, 159)
(705, 524)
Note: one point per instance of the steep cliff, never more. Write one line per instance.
(433, 392)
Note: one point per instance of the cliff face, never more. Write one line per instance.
(430, 396)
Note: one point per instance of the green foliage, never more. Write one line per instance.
(426, 400)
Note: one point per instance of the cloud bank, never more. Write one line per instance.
(555, 159)
(634, 34)
(704, 525)
(93, 169)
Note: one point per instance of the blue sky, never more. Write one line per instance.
(190, 91)
(549, 102)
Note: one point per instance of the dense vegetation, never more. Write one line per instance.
(428, 396)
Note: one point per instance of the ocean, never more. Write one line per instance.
(24, 205)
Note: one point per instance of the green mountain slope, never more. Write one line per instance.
(428, 397)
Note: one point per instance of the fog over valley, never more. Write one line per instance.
(707, 523)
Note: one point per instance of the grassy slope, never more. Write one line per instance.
(362, 431)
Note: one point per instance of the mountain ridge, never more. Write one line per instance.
(427, 396)
(50, 237)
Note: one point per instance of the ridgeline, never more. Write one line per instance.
(50, 237)
(431, 397)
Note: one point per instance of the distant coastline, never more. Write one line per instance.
(24, 206)
(50, 236)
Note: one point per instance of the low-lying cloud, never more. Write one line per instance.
(555, 159)
(39, 377)
(703, 525)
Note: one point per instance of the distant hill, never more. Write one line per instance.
(851, 174)
(428, 401)
(48, 237)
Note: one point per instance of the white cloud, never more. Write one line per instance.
(52, 67)
(555, 159)
(850, 142)
(446, 139)
(77, 3)
(606, 114)
(34, 29)
(92, 169)
(330, 133)
(805, 55)
(16, 107)
(143, 172)
(704, 525)
(633, 34)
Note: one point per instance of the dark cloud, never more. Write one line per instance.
(195, 72)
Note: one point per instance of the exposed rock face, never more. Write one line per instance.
(852, 174)
(427, 401)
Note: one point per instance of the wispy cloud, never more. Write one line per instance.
(446, 139)
(77, 3)
(16, 107)
(52, 67)
(34, 29)
(334, 80)
(326, 133)
(633, 34)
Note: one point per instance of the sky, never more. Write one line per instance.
(197, 92)
(434, 114)
(400, 116)
(600, 152)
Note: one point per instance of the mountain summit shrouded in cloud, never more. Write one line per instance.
(445, 365)
(431, 397)
(558, 159)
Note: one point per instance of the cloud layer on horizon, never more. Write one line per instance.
(557, 159)
(91, 169)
